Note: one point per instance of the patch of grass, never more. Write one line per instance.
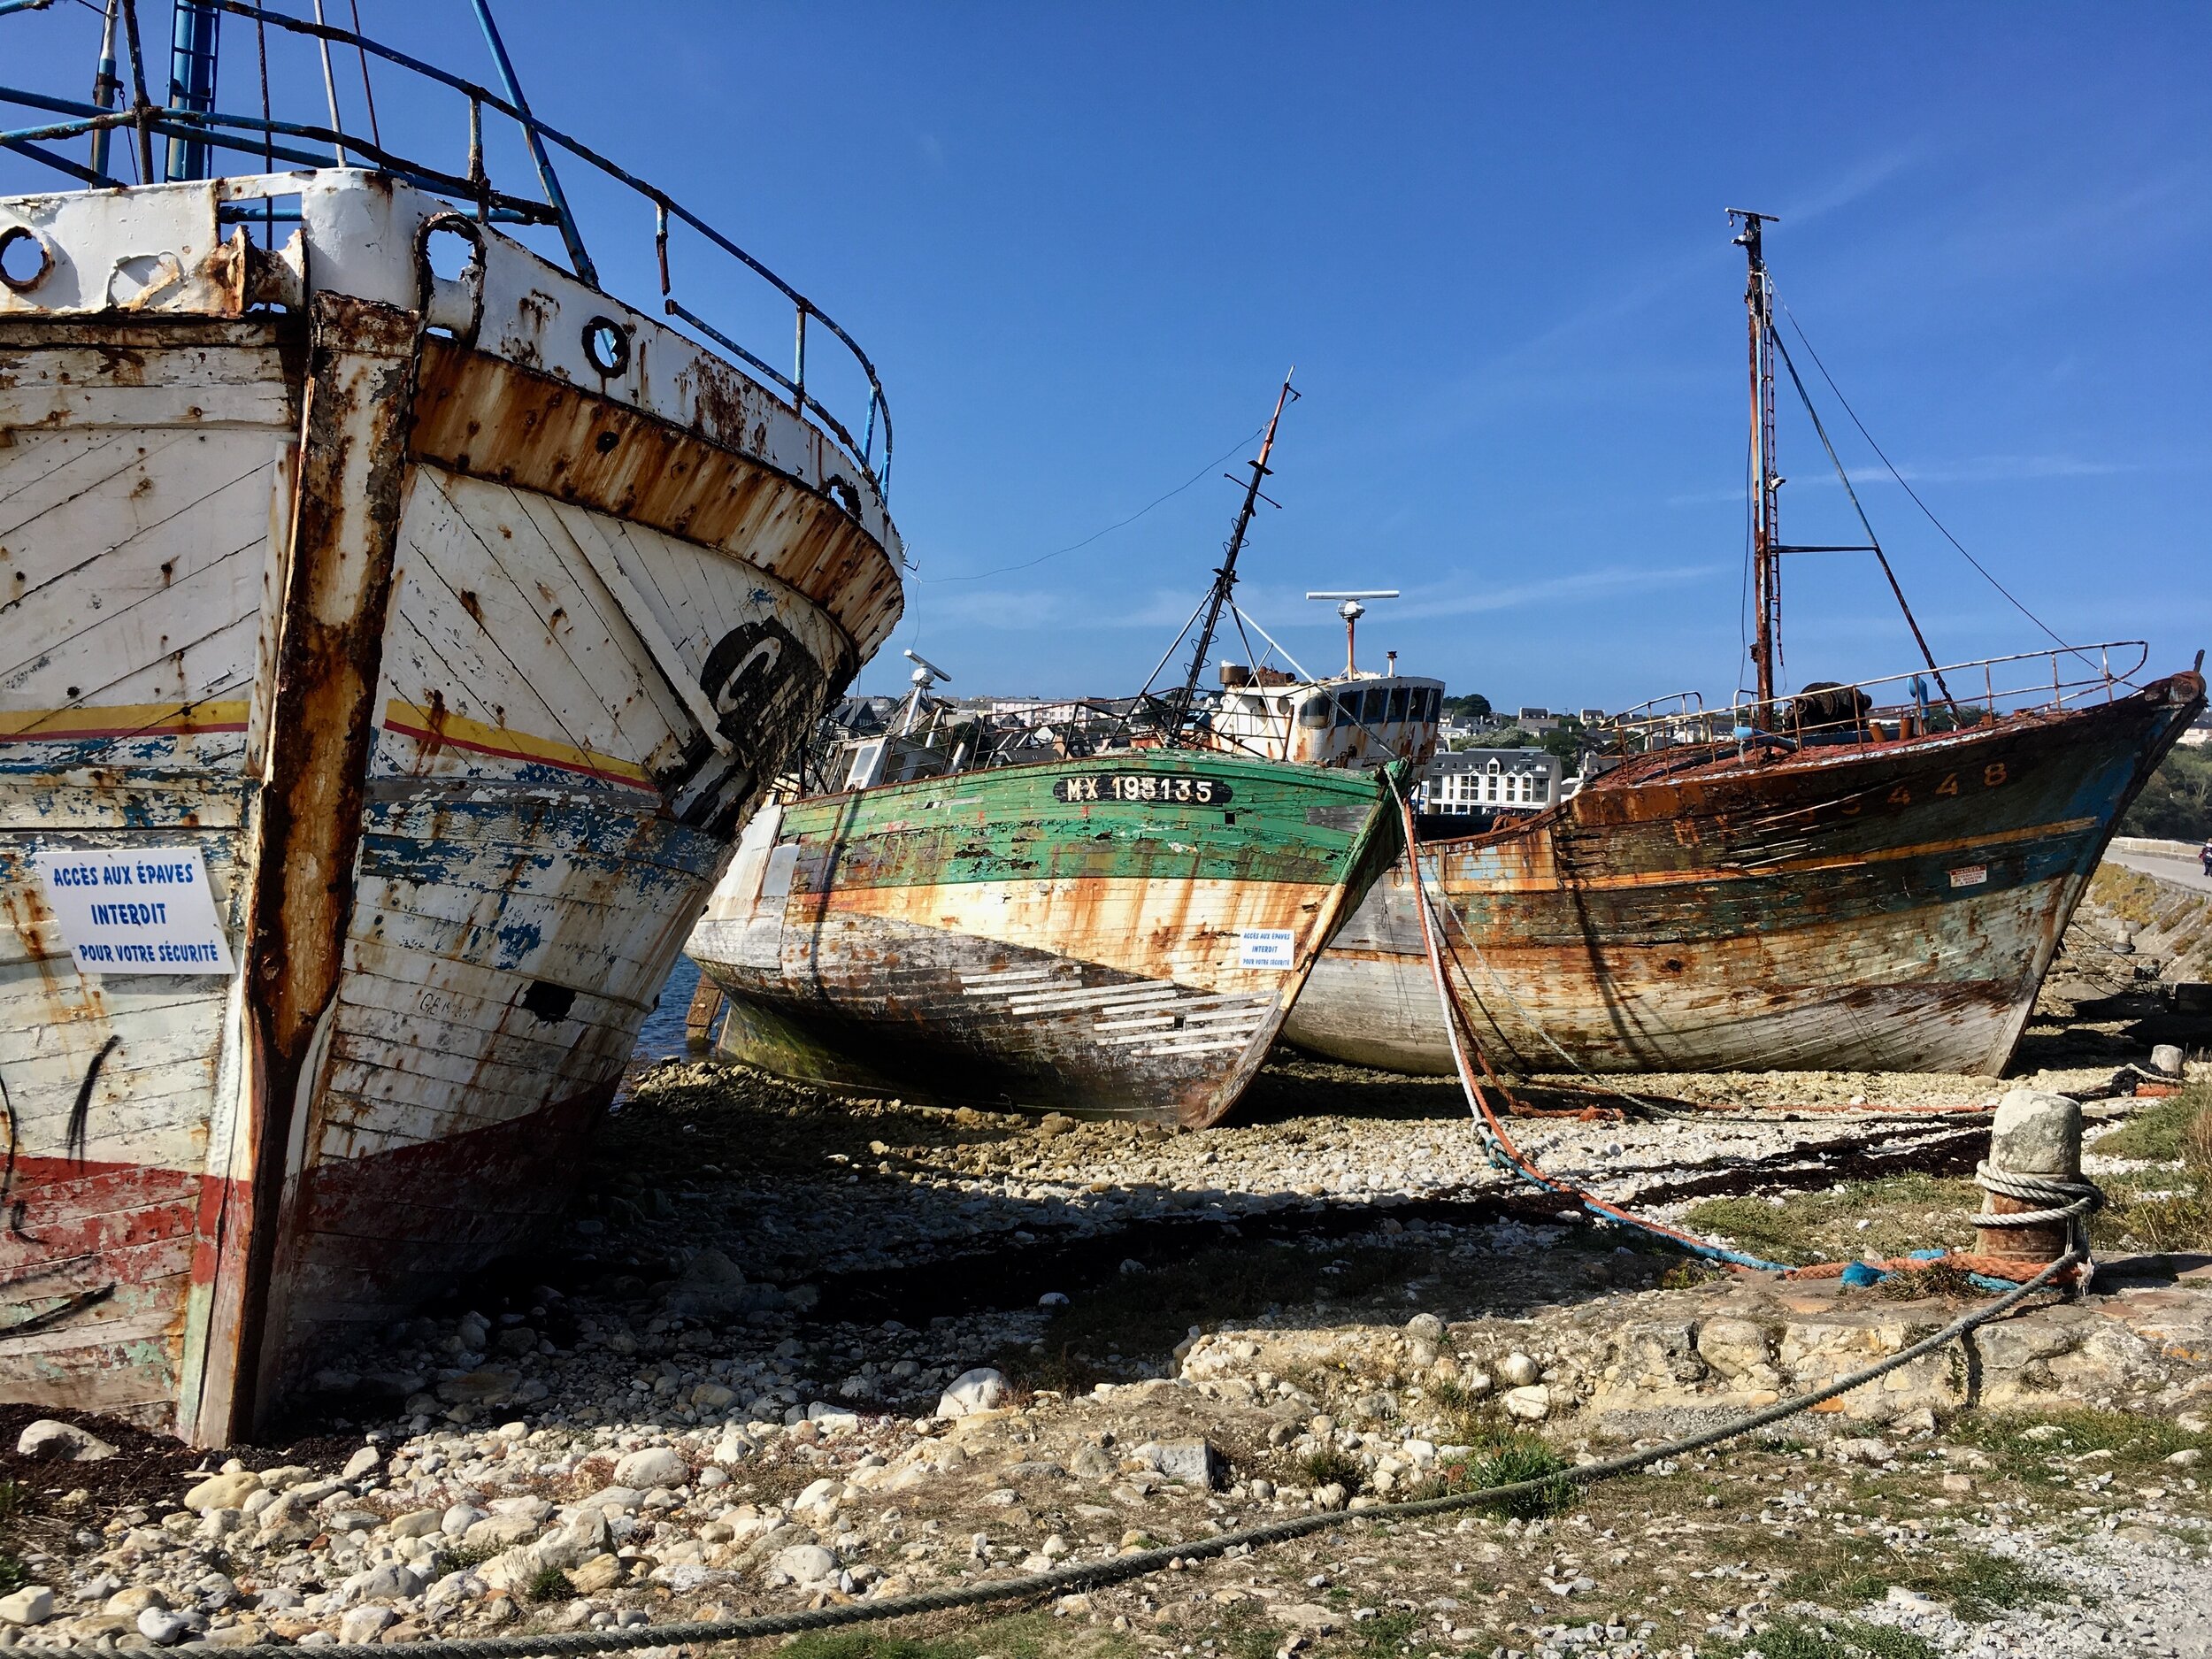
(1023, 1636)
(1906, 1213)
(549, 1583)
(1508, 1460)
(1328, 1465)
(2165, 1217)
(459, 1558)
(1243, 1635)
(2166, 1130)
(1385, 1637)
(1975, 1584)
(2134, 1440)
(2160, 1211)
(1843, 1639)
(13, 1574)
(1931, 1279)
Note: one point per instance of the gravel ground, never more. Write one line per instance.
(746, 1378)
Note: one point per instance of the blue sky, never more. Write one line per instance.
(1082, 246)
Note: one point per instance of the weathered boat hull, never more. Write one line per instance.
(1892, 908)
(1022, 937)
(459, 661)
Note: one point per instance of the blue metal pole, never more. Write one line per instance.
(191, 80)
(576, 256)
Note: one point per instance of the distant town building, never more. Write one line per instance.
(1485, 780)
(2199, 732)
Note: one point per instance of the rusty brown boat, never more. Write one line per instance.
(1871, 877)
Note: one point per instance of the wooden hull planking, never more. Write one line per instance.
(460, 668)
(983, 938)
(1889, 908)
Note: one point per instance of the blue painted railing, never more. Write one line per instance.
(201, 132)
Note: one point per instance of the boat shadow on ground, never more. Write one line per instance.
(856, 1217)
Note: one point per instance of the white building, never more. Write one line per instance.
(1469, 781)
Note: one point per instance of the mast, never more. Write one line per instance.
(1766, 482)
(105, 88)
(1225, 577)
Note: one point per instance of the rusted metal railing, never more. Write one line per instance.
(2025, 682)
(270, 141)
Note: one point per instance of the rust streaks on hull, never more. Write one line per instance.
(1026, 936)
(463, 757)
(511, 425)
(360, 389)
(1891, 907)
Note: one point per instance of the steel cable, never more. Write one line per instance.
(1141, 1563)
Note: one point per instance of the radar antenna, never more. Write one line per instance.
(1352, 611)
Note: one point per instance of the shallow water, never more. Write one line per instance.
(662, 1037)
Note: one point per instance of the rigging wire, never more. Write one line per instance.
(268, 132)
(1078, 546)
(1750, 551)
(1892, 466)
(1874, 541)
(361, 47)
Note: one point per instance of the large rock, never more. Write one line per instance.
(33, 1604)
(971, 1392)
(571, 1546)
(46, 1438)
(805, 1564)
(654, 1466)
(498, 1532)
(387, 1582)
(162, 1627)
(1190, 1462)
(1530, 1403)
(600, 1573)
(1739, 1350)
(1518, 1370)
(222, 1491)
(365, 1624)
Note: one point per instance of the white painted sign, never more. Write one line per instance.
(1969, 875)
(141, 909)
(1275, 948)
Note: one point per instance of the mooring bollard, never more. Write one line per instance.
(2034, 1144)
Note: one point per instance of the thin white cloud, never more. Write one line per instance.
(1591, 584)
(1981, 469)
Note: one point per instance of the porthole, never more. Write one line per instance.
(607, 345)
(25, 258)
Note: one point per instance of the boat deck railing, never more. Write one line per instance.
(1952, 697)
(192, 132)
